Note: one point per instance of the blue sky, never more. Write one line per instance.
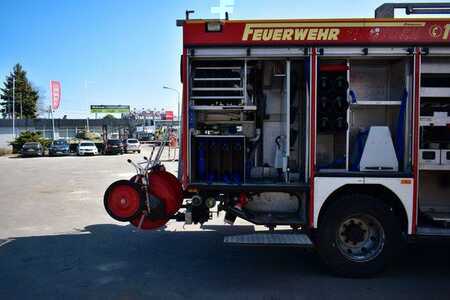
(123, 51)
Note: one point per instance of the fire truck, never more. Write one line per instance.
(336, 129)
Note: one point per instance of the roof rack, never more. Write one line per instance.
(386, 10)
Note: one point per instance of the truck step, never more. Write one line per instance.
(433, 231)
(274, 239)
(439, 216)
(260, 218)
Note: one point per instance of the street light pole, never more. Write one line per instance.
(14, 108)
(178, 107)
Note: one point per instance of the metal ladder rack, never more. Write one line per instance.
(218, 83)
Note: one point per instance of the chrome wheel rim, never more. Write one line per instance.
(360, 238)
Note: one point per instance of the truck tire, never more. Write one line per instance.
(358, 235)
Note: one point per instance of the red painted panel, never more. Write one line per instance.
(333, 68)
(320, 32)
(416, 113)
(312, 134)
(184, 118)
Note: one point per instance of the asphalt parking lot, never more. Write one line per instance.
(57, 242)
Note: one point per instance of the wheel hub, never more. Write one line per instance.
(360, 238)
(354, 232)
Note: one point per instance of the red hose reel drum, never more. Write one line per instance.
(123, 200)
(168, 190)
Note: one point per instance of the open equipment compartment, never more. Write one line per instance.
(219, 121)
(332, 115)
(434, 153)
(364, 120)
(248, 113)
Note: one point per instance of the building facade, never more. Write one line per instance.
(64, 128)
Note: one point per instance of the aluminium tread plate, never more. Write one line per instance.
(438, 216)
(433, 231)
(280, 239)
(268, 218)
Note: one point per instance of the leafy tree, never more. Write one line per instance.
(28, 136)
(26, 96)
(88, 135)
(109, 117)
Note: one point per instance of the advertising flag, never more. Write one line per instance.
(55, 90)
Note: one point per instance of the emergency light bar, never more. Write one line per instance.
(213, 26)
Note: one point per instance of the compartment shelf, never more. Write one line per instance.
(433, 121)
(217, 97)
(435, 92)
(219, 136)
(220, 89)
(224, 108)
(430, 167)
(217, 79)
(375, 103)
(228, 122)
(219, 68)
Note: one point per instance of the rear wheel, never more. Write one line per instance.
(358, 235)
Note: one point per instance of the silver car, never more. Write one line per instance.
(132, 145)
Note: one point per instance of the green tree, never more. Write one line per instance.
(88, 135)
(28, 136)
(26, 96)
(109, 117)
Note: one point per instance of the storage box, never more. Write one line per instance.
(218, 158)
(430, 156)
(445, 157)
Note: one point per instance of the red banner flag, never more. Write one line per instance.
(55, 90)
(169, 115)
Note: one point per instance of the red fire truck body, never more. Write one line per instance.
(336, 128)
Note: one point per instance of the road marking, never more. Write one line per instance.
(4, 242)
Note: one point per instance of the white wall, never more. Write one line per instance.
(5, 137)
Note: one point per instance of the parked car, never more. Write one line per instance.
(87, 147)
(132, 145)
(32, 149)
(113, 146)
(59, 147)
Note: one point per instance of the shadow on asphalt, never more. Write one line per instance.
(110, 261)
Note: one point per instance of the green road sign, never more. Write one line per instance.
(110, 109)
